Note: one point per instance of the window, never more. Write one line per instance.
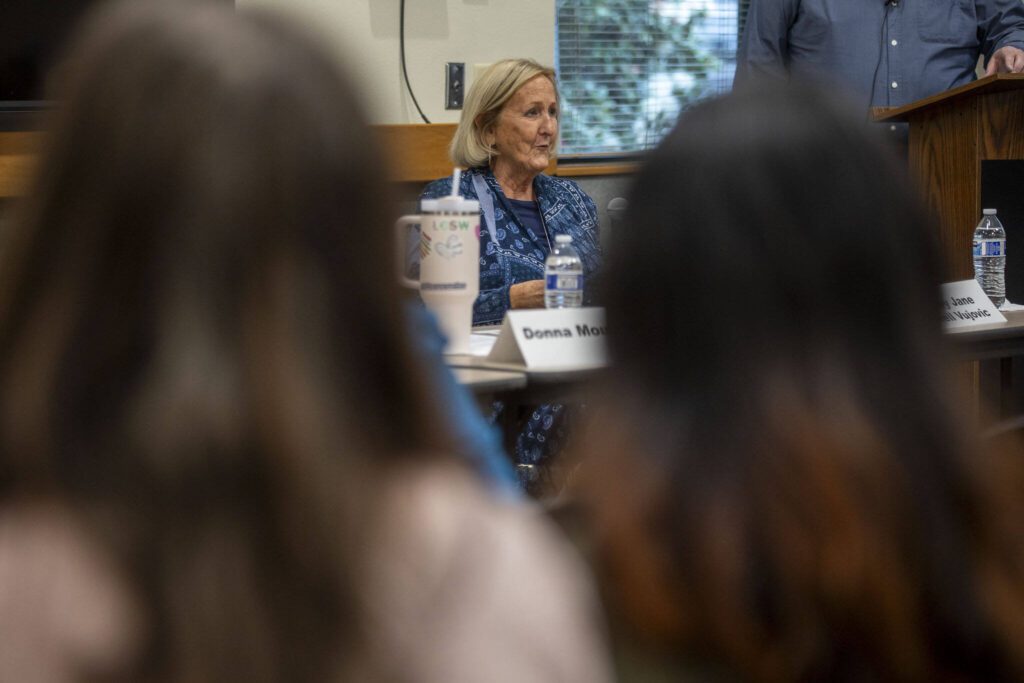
(626, 68)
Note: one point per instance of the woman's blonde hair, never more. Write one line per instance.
(487, 96)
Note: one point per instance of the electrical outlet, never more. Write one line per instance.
(454, 84)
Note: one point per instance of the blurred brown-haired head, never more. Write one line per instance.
(787, 487)
(200, 342)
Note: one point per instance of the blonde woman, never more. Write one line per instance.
(506, 139)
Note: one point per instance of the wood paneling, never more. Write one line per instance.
(17, 155)
(580, 170)
(415, 153)
(1002, 126)
(20, 143)
(15, 170)
(943, 157)
(418, 152)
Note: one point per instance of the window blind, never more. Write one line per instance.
(627, 68)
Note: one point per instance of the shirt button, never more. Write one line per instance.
(894, 42)
(894, 84)
(892, 127)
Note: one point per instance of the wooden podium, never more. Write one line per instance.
(966, 146)
(952, 135)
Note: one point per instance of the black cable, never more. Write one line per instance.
(401, 47)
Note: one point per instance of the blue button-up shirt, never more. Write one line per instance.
(884, 54)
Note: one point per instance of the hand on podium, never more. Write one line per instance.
(1007, 59)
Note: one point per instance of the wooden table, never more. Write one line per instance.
(559, 385)
(995, 347)
(987, 342)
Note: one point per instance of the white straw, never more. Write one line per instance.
(455, 181)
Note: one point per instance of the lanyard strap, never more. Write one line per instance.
(483, 194)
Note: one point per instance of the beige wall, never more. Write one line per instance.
(436, 31)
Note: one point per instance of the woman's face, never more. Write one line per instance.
(526, 128)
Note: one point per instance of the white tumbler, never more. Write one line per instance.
(449, 257)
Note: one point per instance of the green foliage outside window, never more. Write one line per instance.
(628, 67)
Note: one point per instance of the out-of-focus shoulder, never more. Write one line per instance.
(64, 612)
(477, 588)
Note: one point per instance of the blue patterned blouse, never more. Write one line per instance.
(519, 252)
(517, 255)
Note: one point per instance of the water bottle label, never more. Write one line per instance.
(990, 247)
(564, 282)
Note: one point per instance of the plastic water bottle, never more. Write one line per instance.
(563, 275)
(990, 257)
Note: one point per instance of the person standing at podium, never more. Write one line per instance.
(885, 54)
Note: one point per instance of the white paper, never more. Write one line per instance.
(966, 305)
(481, 343)
(552, 339)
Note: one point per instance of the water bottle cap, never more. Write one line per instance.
(563, 239)
(988, 212)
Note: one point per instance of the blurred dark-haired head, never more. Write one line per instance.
(768, 230)
(780, 454)
(200, 343)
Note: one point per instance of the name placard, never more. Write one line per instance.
(965, 304)
(552, 339)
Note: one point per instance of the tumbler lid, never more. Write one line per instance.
(456, 203)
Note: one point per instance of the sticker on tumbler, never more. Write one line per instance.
(424, 244)
(450, 248)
